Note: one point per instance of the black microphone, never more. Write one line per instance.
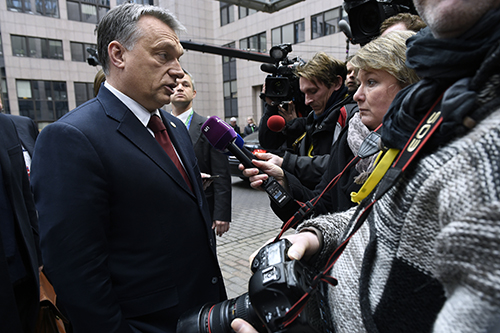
(222, 137)
(268, 68)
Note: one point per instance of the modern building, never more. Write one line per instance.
(43, 51)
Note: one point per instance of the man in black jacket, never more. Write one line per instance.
(321, 80)
(210, 161)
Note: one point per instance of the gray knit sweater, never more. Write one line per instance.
(428, 256)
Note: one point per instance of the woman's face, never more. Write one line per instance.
(376, 91)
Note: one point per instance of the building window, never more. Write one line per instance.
(244, 11)
(292, 33)
(257, 43)
(230, 85)
(34, 47)
(87, 11)
(83, 92)
(140, 2)
(79, 51)
(326, 23)
(226, 13)
(43, 7)
(42, 101)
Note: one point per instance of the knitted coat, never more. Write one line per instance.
(428, 256)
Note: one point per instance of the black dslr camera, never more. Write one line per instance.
(366, 16)
(276, 285)
(282, 85)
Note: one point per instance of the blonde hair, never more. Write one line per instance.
(387, 53)
(98, 79)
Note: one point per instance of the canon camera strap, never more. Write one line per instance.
(402, 159)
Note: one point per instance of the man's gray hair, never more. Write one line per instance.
(120, 24)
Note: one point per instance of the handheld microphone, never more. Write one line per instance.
(276, 123)
(222, 137)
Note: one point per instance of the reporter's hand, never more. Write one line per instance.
(241, 326)
(304, 245)
(288, 114)
(272, 158)
(268, 168)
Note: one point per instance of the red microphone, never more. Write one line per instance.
(276, 123)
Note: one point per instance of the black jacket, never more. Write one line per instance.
(309, 161)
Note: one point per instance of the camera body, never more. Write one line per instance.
(366, 16)
(276, 285)
(283, 85)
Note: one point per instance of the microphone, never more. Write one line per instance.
(345, 28)
(222, 137)
(276, 123)
(268, 68)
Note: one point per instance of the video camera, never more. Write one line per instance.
(283, 85)
(276, 285)
(366, 16)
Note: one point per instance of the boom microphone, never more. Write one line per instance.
(276, 123)
(222, 137)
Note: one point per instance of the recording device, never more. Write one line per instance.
(92, 59)
(276, 285)
(283, 85)
(366, 16)
(222, 137)
(276, 123)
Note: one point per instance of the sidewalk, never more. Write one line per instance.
(254, 223)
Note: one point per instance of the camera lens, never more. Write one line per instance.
(217, 318)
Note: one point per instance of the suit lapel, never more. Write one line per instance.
(130, 127)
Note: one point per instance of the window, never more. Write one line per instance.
(140, 2)
(257, 43)
(90, 11)
(42, 101)
(43, 7)
(226, 13)
(33, 47)
(79, 51)
(326, 23)
(83, 92)
(292, 33)
(244, 11)
(230, 86)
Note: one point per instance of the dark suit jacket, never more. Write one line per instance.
(17, 189)
(27, 131)
(215, 163)
(123, 238)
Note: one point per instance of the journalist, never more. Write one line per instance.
(425, 258)
(322, 80)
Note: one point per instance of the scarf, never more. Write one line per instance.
(460, 69)
(356, 134)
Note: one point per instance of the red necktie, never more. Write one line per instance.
(161, 135)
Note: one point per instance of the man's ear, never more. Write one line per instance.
(339, 84)
(116, 53)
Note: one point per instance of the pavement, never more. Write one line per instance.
(253, 224)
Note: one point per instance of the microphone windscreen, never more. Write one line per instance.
(276, 123)
(268, 68)
(218, 133)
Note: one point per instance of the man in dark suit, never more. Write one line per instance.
(19, 250)
(210, 161)
(126, 239)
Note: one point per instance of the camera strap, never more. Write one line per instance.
(428, 125)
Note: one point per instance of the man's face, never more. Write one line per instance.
(351, 80)
(183, 93)
(451, 18)
(316, 94)
(149, 71)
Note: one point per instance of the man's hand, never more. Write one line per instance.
(241, 326)
(268, 168)
(289, 113)
(220, 227)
